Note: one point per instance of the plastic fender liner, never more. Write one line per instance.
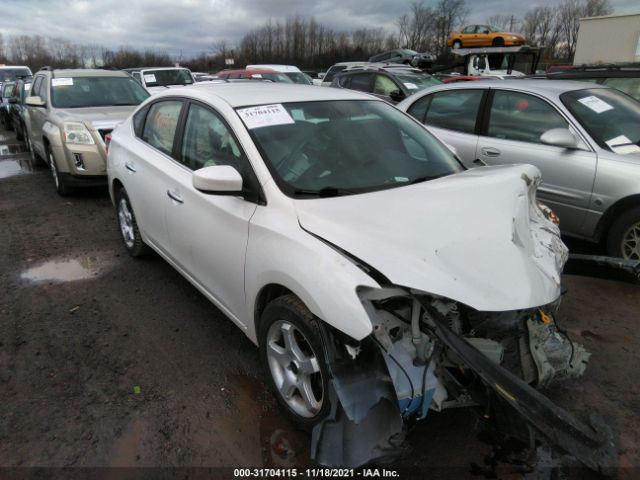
(365, 423)
(592, 444)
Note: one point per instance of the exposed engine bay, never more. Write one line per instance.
(432, 353)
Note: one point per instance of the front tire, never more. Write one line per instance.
(623, 239)
(291, 350)
(498, 42)
(129, 231)
(62, 187)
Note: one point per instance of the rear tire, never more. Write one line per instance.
(623, 238)
(292, 353)
(498, 42)
(456, 45)
(129, 231)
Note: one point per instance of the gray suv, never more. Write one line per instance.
(584, 138)
(68, 116)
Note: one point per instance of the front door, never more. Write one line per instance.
(208, 233)
(516, 122)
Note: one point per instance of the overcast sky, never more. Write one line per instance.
(194, 25)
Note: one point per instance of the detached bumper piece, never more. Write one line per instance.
(593, 444)
(611, 268)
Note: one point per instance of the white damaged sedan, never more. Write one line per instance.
(379, 278)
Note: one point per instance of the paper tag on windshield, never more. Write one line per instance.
(595, 104)
(265, 116)
(61, 82)
(27, 86)
(149, 77)
(410, 86)
(621, 144)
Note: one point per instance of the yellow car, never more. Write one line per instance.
(483, 36)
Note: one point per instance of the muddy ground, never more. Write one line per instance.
(107, 361)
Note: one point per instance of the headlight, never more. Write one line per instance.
(76, 132)
(548, 213)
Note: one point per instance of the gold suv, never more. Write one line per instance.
(68, 116)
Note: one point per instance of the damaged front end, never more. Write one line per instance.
(431, 353)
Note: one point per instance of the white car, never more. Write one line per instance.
(378, 277)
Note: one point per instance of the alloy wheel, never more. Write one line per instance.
(631, 243)
(295, 368)
(125, 219)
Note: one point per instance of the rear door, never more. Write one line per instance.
(38, 115)
(452, 115)
(150, 165)
(511, 133)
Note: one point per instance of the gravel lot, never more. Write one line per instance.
(108, 361)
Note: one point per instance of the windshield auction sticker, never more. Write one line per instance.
(265, 116)
(149, 77)
(61, 82)
(595, 104)
(622, 144)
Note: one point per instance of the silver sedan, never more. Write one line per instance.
(584, 138)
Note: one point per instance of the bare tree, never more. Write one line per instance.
(508, 23)
(449, 14)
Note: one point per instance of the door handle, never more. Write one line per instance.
(490, 151)
(175, 196)
(130, 167)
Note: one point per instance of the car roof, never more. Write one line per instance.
(252, 71)
(85, 72)
(258, 93)
(544, 87)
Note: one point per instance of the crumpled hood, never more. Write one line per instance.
(474, 237)
(97, 117)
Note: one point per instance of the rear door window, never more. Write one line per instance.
(361, 82)
(454, 110)
(161, 123)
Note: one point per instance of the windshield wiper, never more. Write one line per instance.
(424, 179)
(324, 192)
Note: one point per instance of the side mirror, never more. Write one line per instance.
(218, 179)
(559, 137)
(35, 101)
(396, 95)
(13, 100)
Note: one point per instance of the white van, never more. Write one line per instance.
(294, 73)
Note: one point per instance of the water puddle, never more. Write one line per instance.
(10, 168)
(257, 435)
(67, 270)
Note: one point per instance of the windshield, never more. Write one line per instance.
(10, 74)
(79, 92)
(299, 77)
(415, 82)
(164, 78)
(333, 148)
(611, 118)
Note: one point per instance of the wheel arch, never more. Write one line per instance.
(114, 186)
(613, 212)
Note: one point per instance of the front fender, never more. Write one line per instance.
(280, 252)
